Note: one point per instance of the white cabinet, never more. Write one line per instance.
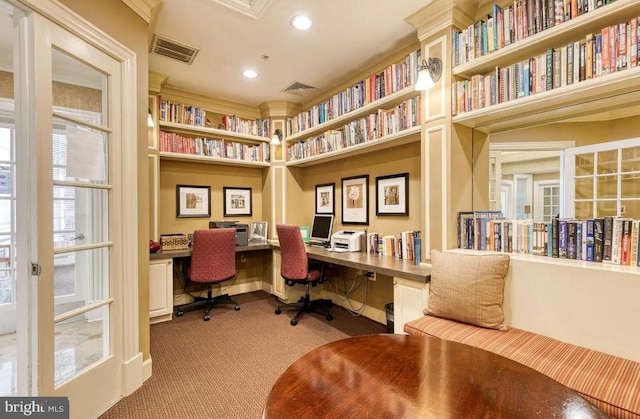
(160, 290)
(409, 301)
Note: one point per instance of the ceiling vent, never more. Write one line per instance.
(173, 49)
(299, 89)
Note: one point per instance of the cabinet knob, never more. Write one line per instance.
(395, 282)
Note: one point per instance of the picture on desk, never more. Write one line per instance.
(259, 231)
(193, 201)
(237, 201)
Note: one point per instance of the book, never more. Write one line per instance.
(598, 239)
(606, 239)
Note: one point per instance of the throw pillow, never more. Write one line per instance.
(468, 288)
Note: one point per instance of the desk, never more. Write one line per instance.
(398, 376)
(173, 254)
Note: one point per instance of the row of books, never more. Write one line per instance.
(611, 240)
(393, 78)
(615, 48)
(369, 128)
(195, 116)
(404, 245)
(516, 22)
(210, 147)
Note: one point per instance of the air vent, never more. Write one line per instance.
(299, 89)
(173, 49)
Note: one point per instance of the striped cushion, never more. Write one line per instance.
(609, 382)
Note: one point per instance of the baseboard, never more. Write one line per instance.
(147, 369)
(133, 374)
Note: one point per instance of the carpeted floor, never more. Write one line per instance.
(225, 368)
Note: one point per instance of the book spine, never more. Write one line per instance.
(598, 239)
(555, 228)
(572, 241)
(606, 239)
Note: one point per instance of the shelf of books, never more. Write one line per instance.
(608, 241)
(386, 88)
(385, 128)
(581, 65)
(405, 245)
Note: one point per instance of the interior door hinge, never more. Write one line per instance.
(35, 268)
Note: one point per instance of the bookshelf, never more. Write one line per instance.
(585, 97)
(179, 141)
(380, 111)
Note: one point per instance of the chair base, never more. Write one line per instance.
(209, 301)
(306, 305)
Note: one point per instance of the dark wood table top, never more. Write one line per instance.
(399, 376)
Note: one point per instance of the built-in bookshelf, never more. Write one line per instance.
(514, 71)
(185, 134)
(381, 129)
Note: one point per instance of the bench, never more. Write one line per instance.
(474, 299)
(609, 382)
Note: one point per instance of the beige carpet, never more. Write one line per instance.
(225, 368)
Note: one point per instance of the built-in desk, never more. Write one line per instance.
(410, 281)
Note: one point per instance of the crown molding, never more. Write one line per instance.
(142, 7)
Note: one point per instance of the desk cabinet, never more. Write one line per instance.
(409, 301)
(160, 290)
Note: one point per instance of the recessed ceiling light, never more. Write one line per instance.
(250, 74)
(301, 22)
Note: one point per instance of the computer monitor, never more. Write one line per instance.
(322, 228)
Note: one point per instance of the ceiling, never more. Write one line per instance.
(346, 36)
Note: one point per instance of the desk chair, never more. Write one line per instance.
(295, 269)
(213, 260)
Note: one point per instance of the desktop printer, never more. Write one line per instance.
(347, 240)
(242, 230)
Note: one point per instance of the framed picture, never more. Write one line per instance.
(355, 200)
(237, 201)
(325, 202)
(392, 194)
(193, 201)
(258, 231)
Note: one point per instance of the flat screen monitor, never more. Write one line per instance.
(322, 228)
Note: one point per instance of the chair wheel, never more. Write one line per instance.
(180, 313)
(329, 317)
(294, 322)
(207, 317)
(237, 307)
(278, 311)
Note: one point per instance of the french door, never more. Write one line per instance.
(66, 212)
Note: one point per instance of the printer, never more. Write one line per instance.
(347, 240)
(242, 230)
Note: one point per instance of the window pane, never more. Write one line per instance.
(584, 164)
(631, 208)
(584, 188)
(79, 153)
(630, 186)
(607, 162)
(584, 210)
(82, 220)
(80, 342)
(607, 187)
(607, 208)
(630, 159)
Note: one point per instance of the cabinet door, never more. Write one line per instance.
(409, 301)
(160, 290)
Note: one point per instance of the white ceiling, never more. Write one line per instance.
(346, 36)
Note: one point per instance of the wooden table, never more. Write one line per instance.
(398, 376)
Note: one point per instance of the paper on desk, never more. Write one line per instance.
(85, 154)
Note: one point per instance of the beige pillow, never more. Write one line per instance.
(468, 288)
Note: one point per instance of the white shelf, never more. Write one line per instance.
(555, 37)
(393, 140)
(164, 155)
(607, 93)
(384, 103)
(193, 129)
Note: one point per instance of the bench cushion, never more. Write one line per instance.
(609, 382)
(468, 288)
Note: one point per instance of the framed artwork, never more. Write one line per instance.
(237, 201)
(193, 201)
(355, 200)
(392, 194)
(325, 202)
(258, 231)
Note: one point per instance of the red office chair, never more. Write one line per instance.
(295, 269)
(213, 260)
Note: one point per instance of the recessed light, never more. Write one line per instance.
(250, 74)
(301, 22)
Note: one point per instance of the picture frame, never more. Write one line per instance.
(355, 200)
(259, 231)
(193, 201)
(392, 194)
(237, 201)
(325, 198)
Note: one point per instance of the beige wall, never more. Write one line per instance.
(119, 21)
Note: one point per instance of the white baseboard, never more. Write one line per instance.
(133, 374)
(147, 369)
